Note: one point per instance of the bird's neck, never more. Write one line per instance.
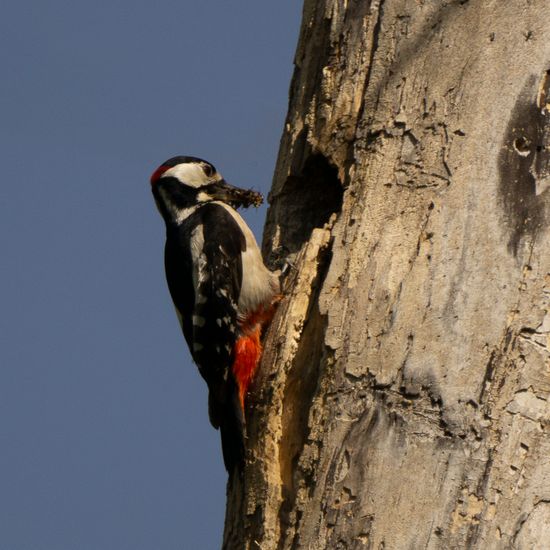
(175, 202)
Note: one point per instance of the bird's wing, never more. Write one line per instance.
(215, 329)
(179, 276)
(218, 280)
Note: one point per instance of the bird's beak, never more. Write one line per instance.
(235, 196)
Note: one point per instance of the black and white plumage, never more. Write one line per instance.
(220, 287)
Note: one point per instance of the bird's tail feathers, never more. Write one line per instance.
(233, 433)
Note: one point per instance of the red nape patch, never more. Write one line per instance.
(247, 354)
(158, 173)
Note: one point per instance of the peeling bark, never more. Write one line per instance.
(403, 396)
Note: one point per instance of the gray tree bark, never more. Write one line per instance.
(403, 396)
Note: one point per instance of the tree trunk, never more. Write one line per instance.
(403, 397)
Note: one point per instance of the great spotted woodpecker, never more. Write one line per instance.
(221, 289)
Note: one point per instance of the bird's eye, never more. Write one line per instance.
(208, 170)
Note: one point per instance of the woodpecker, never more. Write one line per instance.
(222, 291)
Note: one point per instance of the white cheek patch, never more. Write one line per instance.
(191, 174)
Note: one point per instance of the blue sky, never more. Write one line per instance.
(104, 435)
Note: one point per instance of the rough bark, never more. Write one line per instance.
(403, 397)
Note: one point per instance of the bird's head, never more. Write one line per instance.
(183, 182)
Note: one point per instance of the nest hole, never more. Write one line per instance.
(308, 200)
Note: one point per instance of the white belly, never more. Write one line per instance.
(259, 285)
